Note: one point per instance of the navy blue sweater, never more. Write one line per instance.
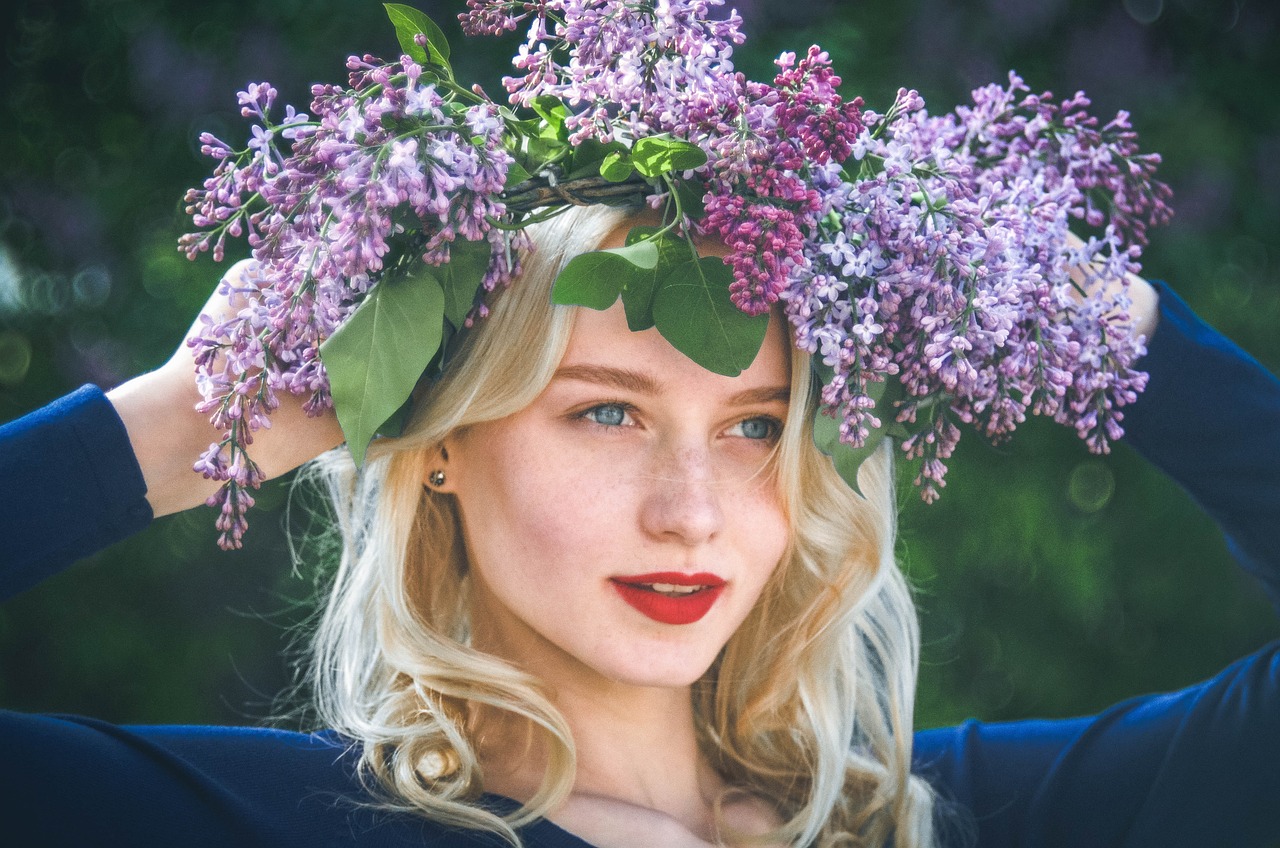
(1197, 767)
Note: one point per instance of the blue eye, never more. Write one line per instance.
(608, 414)
(759, 428)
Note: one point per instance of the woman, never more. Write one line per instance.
(628, 601)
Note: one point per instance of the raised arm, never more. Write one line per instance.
(1226, 454)
(1192, 767)
(89, 470)
(167, 434)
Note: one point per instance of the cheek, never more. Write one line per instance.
(762, 531)
(777, 543)
(530, 510)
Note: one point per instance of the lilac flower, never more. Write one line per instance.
(975, 307)
(320, 219)
(931, 251)
(624, 67)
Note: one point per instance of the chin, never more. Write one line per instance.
(660, 678)
(666, 666)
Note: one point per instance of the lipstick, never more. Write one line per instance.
(670, 597)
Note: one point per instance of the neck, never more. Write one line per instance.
(641, 748)
(635, 745)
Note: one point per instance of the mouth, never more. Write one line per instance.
(670, 597)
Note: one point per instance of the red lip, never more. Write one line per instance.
(637, 590)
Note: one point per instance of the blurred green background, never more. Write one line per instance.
(1051, 582)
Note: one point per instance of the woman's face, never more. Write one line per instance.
(625, 522)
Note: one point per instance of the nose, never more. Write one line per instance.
(683, 503)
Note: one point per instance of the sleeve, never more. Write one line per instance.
(1200, 766)
(1226, 454)
(69, 485)
(69, 782)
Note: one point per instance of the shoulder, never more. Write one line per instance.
(1146, 769)
(72, 781)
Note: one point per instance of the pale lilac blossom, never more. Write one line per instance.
(930, 252)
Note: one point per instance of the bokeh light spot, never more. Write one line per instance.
(15, 357)
(91, 286)
(11, 299)
(1091, 486)
(1144, 11)
(47, 293)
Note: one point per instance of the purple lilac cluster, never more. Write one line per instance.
(930, 252)
(319, 219)
(624, 68)
(946, 263)
(630, 69)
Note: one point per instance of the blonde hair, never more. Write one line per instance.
(809, 705)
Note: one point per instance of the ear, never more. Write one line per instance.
(435, 471)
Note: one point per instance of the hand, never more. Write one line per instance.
(1145, 310)
(167, 434)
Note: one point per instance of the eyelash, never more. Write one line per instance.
(775, 428)
(775, 425)
(588, 414)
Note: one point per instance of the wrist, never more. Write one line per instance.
(166, 434)
(1145, 311)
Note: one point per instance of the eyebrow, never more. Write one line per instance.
(641, 383)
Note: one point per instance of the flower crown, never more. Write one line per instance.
(922, 260)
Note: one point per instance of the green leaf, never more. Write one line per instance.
(527, 126)
(453, 108)
(642, 253)
(655, 155)
(691, 199)
(821, 370)
(596, 279)
(516, 174)
(640, 232)
(637, 292)
(461, 277)
(846, 458)
(538, 151)
(616, 166)
(375, 359)
(553, 114)
(588, 157)
(394, 426)
(692, 310)
(592, 279)
(410, 22)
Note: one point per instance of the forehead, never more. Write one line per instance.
(602, 338)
